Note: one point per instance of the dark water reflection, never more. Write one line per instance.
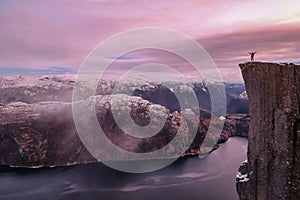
(188, 178)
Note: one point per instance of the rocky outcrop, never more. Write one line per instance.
(44, 133)
(235, 125)
(273, 167)
(37, 126)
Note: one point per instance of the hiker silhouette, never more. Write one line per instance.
(252, 55)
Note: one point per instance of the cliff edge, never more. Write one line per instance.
(273, 167)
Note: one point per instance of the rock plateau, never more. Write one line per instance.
(273, 167)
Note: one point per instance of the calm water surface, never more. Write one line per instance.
(191, 178)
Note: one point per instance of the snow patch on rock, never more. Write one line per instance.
(242, 178)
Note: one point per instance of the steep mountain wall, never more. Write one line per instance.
(273, 167)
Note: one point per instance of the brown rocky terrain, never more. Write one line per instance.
(273, 167)
(44, 133)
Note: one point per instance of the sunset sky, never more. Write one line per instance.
(55, 36)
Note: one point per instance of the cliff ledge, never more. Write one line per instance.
(273, 167)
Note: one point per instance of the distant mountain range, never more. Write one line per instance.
(33, 89)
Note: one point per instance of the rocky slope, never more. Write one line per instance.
(273, 167)
(44, 133)
(37, 126)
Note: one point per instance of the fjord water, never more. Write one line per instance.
(191, 178)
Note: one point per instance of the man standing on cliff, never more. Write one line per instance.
(252, 55)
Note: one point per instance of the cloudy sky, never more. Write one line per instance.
(56, 35)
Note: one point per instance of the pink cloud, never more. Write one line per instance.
(272, 43)
(40, 34)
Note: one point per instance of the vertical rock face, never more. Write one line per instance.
(273, 167)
